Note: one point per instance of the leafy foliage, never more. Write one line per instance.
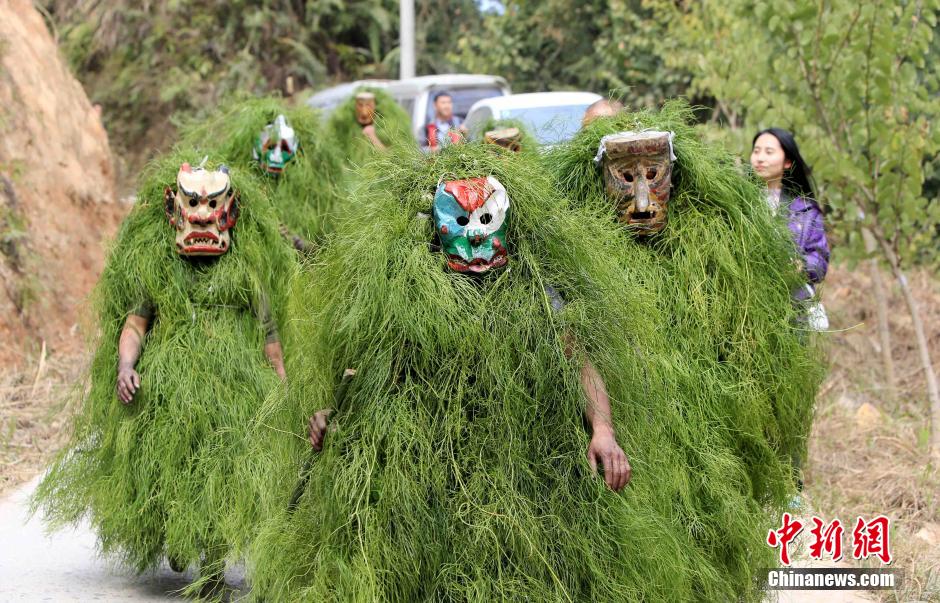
(598, 45)
(146, 62)
(858, 85)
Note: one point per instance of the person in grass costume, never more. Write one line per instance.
(302, 169)
(719, 267)
(515, 428)
(188, 306)
(508, 133)
(367, 122)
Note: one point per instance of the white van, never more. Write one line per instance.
(416, 95)
(551, 117)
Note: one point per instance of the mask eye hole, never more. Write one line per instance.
(212, 204)
(463, 220)
(650, 173)
(486, 218)
(192, 202)
(285, 147)
(628, 176)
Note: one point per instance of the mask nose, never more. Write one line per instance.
(203, 214)
(641, 194)
(475, 236)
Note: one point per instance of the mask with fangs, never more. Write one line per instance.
(203, 210)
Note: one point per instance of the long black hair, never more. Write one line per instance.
(798, 178)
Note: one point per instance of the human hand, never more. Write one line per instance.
(317, 428)
(373, 137)
(604, 449)
(128, 382)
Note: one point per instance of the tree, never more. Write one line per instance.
(596, 45)
(852, 80)
(146, 63)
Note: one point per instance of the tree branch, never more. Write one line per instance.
(845, 40)
(867, 105)
(933, 389)
(814, 90)
(900, 57)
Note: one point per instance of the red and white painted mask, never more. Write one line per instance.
(203, 210)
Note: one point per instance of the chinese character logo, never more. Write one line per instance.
(871, 539)
(784, 536)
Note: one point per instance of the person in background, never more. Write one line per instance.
(776, 158)
(602, 108)
(365, 115)
(446, 128)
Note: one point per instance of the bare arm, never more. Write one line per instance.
(317, 425)
(275, 354)
(129, 347)
(598, 408)
(369, 132)
(603, 447)
(297, 241)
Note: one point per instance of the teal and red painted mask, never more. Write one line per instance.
(470, 218)
(276, 146)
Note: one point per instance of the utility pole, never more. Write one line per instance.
(406, 19)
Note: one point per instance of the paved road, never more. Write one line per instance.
(63, 567)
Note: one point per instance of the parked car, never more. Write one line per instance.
(551, 117)
(329, 98)
(416, 94)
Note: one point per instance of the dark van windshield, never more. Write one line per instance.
(463, 99)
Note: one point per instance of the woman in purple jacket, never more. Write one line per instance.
(776, 158)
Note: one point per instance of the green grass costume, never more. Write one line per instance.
(721, 271)
(456, 470)
(307, 195)
(527, 142)
(169, 474)
(392, 126)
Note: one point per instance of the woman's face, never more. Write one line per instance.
(768, 159)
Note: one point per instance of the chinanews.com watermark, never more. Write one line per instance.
(870, 539)
(832, 578)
